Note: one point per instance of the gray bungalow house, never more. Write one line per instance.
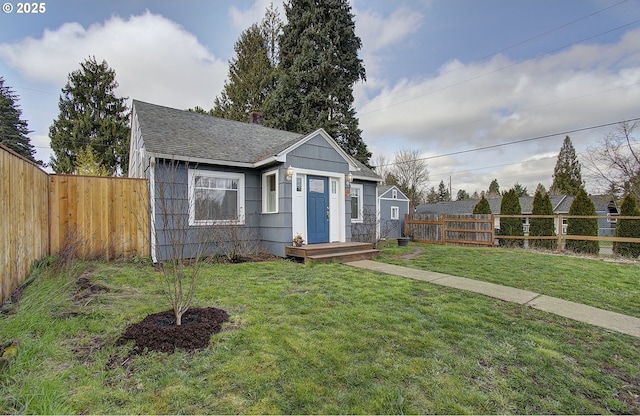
(275, 182)
(392, 207)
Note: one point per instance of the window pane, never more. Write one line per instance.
(354, 207)
(316, 185)
(271, 193)
(215, 204)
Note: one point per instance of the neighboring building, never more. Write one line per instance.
(605, 205)
(275, 182)
(392, 207)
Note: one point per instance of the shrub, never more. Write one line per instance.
(628, 228)
(542, 226)
(510, 205)
(482, 207)
(582, 205)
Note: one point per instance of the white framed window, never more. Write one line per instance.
(357, 207)
(394, 194)
(270, 192)
(395, 213)
(215, 197)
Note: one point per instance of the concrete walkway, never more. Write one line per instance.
(609, 320)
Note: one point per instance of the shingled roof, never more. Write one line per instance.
(560, 203)
(171, 132)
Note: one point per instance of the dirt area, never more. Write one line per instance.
(158, 332)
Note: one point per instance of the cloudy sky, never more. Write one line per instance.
(455, 79)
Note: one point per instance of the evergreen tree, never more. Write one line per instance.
(520, 190)
(510, 205)
(91, 115)
(252, 77)
(567, 179)
(542, 226)
(432, 196)
(494, 189)
(13, 130)
(628, 228)
(583, 205)
(443, 192)
(462, 195)
(87, 163)
(319, 65)
(482, 207)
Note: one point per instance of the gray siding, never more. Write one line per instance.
(317, 154)
(392, 228)
(174, 235)
(275, 228)
(364, 231)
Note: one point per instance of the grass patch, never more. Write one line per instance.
(309, 339)
(603, 284)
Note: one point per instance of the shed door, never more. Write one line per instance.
(317, 210)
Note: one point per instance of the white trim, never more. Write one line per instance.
(216, 174)
(360, 202)
(397, 210)
(281, 157)
(299, 202)
(265, 192)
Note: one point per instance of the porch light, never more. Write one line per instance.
(289, 173)
(349, 178)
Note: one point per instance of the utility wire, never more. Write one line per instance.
(520, 43)
(530, 139)
(498, 69)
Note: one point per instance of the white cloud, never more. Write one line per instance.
(501, 100)
(155, 59)
(242, 19)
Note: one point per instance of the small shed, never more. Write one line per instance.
(393, 205)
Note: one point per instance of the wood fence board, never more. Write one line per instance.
(23, 219)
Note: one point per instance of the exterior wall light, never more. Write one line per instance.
(289, 173)
(349, 178)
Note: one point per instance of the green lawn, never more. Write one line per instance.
(609, 285)
(309, 339)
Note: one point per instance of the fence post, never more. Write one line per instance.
(560, 233)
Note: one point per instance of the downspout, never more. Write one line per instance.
(152, 202)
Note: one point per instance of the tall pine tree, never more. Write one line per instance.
(252, 74)
(14, 130)
(319, 65)
(91, 115)
(567, 178)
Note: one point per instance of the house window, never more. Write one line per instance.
(270, 192)
(215, 197)
(394, 194)
(356, 203)
(395, 213)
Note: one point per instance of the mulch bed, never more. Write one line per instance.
(159, 332)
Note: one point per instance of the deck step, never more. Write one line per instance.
(343, 257)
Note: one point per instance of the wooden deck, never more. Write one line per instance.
(338, 252)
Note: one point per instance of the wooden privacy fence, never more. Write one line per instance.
(479, 230)
(98, 217)
(24, 219)
(450, 229)
(83, 216)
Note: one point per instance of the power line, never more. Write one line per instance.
(498, 69)
(521, 43)
(530, 139)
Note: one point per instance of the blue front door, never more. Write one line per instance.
(317, 209)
